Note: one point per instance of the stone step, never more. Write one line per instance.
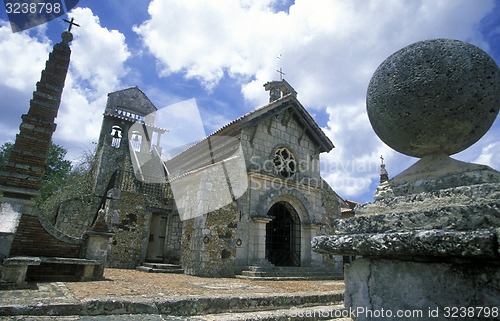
(160, 268)
(289, 278)
(289, 273)
(298, 306)
(165, 266)
(321, 312)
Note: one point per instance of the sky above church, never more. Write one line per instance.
(221, 52)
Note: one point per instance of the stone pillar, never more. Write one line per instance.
(258, 236)
(310, 258)
(97, 245)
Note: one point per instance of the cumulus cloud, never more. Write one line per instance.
(20, 70)
(96, 68)
(97, 65)
(329, 51)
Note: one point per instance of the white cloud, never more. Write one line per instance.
(20, 70)
(21, 67)
(490, 155)
(97, 65)
(330, 50)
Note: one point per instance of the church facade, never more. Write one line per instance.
(250, 194)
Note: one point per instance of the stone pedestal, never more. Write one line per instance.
(97, 246)
(378, 288)
(427, 252)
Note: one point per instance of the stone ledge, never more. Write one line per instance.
(423, 243)
(37, 260)
(22, 260)
(461, 196)
(454, 218)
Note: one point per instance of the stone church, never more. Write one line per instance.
(248, 195)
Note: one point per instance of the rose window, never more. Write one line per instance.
(284, 162)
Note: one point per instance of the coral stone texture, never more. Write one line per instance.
(436, 96)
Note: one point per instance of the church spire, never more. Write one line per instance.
(384, 189)
(384, 176)
(23, 173)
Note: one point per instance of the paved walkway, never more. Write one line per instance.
(147, 296)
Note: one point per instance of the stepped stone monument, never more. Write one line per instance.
(31, 248)
(429, 245)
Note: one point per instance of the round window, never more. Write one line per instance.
(284, 162)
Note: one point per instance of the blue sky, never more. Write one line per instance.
(221, 52)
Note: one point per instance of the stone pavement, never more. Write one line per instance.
(215, 299)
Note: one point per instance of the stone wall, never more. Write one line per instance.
(129, 221)
(260, 143)
(74, 216)
(209, 243)
(331, 203)
(173, 238)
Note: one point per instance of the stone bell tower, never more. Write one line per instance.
(127, 134)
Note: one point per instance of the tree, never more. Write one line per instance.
(5, 154)
(57, 169)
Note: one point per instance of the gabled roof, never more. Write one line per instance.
(192, 159)
(130, 99)
(276, 107)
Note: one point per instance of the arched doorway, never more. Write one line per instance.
(283, 235)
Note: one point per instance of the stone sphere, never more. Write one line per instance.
(434, 97)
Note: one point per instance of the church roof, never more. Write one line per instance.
(191, 159)
(132, 100)
(287, 102)
(132, 104)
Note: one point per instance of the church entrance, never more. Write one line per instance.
(283, 236)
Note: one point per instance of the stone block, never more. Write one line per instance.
(377, 289)
(14, 273)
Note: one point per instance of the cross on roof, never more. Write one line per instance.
(281, 70)
(71, 23)
(281, 73)
(382, 158)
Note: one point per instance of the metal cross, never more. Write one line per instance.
(71, 23)
(382, 158)
(281, 70)
(281, 73)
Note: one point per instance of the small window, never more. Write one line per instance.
(136, 141)
(284, 162)
(116, 134)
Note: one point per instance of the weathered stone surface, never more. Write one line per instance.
(439, 171)
(474, 196)
(455, 218)
(425, 243)
(434, 96)
(420, 288)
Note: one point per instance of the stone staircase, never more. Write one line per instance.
(160, 268)
(236, 307)
(321, 312)
(277, 273)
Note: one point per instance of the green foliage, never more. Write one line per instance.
(57, 169)
(77, 187)
(5, 154)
